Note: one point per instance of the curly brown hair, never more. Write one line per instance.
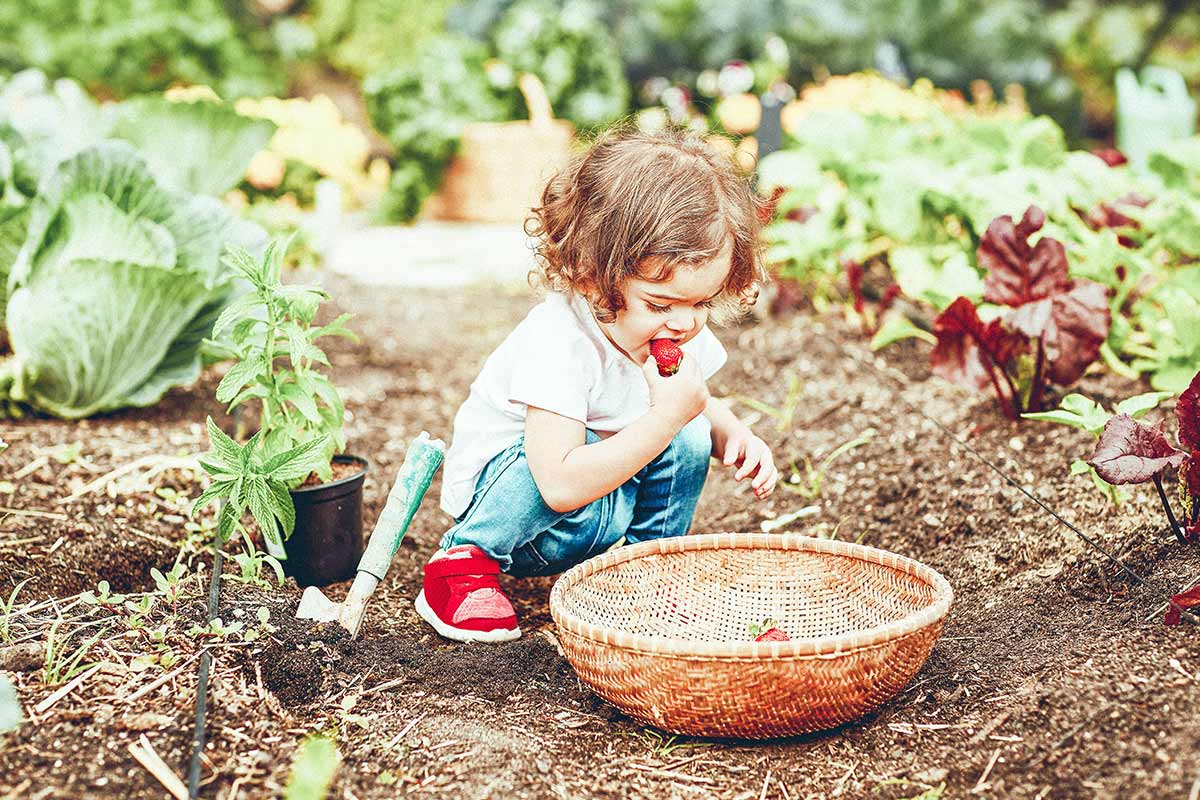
(640, 205)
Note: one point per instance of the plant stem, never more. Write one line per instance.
(1167, 507)
(1007, 405)
(269, 355)
(1013, 393)
(1038, 386)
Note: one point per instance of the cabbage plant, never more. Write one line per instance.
(117, 283)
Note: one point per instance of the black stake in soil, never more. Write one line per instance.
(903, 380)
(214, 592)
(214, 596)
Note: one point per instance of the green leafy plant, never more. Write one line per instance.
(250, 563)
(115, 286)
(216, 629)
(809, 484)
(127, 46)
(783, 415)
(6, 612)
(103, 596)
(170, 585)
(62, 663)
(421, 107)
(248, 480)
(11, 715)
(313, 769)
(274, 341)
(1086, 414)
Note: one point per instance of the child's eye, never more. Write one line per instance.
(705, 304)
(657, 309)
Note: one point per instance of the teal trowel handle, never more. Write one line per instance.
(423, 458)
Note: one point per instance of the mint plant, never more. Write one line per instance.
(1049, 329)
(1086, 414)
(248, 480)
(273, 339)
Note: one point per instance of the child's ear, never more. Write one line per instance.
(588, 290)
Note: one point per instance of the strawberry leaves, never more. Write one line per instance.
(1051, 332)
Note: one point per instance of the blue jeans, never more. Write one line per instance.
(510, 522)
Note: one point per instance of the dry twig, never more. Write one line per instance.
(144, 752)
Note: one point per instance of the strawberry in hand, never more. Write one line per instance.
(667, 355)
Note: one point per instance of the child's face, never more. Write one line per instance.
(673, 309)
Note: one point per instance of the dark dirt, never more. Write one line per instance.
(1053, 679)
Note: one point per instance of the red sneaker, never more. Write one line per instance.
(461, 597)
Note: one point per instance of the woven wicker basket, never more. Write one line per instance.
(660, 629)
(502, 167)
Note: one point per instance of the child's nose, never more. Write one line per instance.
(682, 322)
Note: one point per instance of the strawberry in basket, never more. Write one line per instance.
(767, 632)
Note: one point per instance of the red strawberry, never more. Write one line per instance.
(667, 354)
(767, 632)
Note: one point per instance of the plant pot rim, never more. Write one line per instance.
(344, 459)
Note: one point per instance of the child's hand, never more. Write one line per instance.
(752, 457)
(680, 397)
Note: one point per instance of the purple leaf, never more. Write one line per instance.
(1187, 410)
(1070, 317)
(1186, 600)
(966, 348)
(1079, 323)
(1016, 272)
(1131, 452)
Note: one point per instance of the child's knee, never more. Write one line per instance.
(692, 446)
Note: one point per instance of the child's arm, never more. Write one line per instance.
(735, 445)
(569, 475)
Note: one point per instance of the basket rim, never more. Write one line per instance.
(826, 646)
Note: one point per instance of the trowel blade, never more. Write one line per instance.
(315, 605)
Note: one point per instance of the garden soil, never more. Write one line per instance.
(1054, 677)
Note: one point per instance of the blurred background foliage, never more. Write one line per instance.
(1064, 53)
(412, 74)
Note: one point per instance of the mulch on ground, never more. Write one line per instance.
(1053, 678)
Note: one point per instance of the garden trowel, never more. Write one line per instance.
(423, 458)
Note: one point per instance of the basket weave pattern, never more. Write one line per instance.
(660, 629)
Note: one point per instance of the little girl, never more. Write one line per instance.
(570, 441)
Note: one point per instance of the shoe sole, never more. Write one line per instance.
(462, 634)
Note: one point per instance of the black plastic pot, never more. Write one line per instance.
(327, 541)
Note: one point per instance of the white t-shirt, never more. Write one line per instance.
(558, 359)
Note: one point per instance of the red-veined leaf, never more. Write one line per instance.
(1131, 452)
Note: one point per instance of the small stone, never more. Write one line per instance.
(1016, 443)
(21, 657)
(147, 721)
(931, 520)
(543, 765)
(930, 776)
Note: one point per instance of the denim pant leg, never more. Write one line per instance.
(509, 520)
(669, 486)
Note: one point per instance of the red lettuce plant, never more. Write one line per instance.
(1129, 451)
(1050, 331)
(870, 318)
(1132, 452)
